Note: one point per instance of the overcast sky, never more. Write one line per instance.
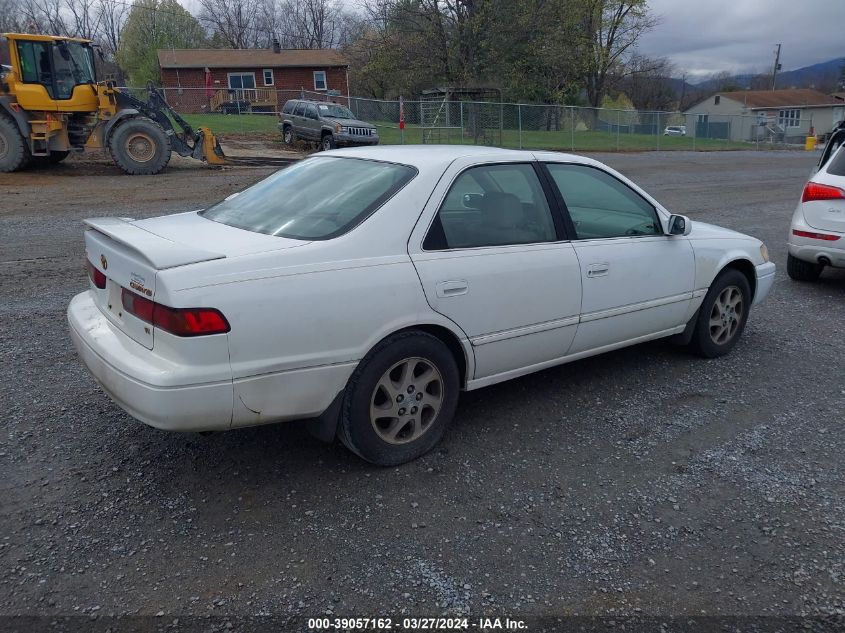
(708, 36)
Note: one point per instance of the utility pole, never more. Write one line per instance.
(776, 68)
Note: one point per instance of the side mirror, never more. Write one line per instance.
(679, 225)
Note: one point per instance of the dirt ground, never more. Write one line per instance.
(644, 481)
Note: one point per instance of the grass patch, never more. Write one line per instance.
(254, 124)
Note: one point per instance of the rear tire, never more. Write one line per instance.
(288, 136)
(400, 399)
(14, 152)
(722, 316)
(799, 270)
(140, 147)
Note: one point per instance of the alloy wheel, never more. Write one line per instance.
(726, 315)
(406, 400)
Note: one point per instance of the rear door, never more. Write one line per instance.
(829, 214)
(494, 259)
(312, 122)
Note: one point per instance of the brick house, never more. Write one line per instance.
(214, 80)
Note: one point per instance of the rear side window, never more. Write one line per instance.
(601, 206)
(300, 109)
(492, 205)
(316, 199)
(289, 106)
(837, 164)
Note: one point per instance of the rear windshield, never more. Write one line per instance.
(316, 199)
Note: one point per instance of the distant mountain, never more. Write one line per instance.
(817, 75)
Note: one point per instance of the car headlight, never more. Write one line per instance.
(338, 128)
(764, 253)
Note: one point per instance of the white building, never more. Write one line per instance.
(782, 115)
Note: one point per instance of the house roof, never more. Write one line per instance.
(248, 58)
(839, 96)
(799, 97)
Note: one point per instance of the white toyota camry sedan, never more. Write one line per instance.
(363, 289)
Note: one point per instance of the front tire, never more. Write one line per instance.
(327, 142)
(14, 152)
(722, 316)
(140, 147)
(799, 270)
(400, 399)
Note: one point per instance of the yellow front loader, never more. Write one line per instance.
(51, 105)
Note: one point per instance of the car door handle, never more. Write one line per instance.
(598, 270)
(452, 288)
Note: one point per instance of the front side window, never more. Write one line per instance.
(601, 206)
(492, 205)
(300, 109)
(316, 199)
(320, 80)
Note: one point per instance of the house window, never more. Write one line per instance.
(320, 80)
(241, 81)
(789, 118)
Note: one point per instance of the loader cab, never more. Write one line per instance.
(53, 73)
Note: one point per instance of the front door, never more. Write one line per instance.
(492, 258)
(637, 281)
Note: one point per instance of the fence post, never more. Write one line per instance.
(572, 128)
(462, 121)
(519, 113)
(657, 130)
(618, 123)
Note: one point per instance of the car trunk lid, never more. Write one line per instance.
(130, 257)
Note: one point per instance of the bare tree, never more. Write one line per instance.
(649, 83)
(44, 16)
(235, 22)
(113, 14)
(310, 23)
(83, 18)
(11, 16)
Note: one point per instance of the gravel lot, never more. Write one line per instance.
(642, 481)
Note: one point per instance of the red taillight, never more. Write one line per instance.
(96, 276)
(814, 191)
(815, 236)
(178, 321)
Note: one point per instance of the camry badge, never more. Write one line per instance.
(104, 262)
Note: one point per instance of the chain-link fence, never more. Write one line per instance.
(525, 126)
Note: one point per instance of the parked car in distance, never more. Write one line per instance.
(817, 234)
(329, 125)
(675, 130)
(365, 288)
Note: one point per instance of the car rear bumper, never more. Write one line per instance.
(139, 381)
(176, 396)
(811, 250)
(765, 274)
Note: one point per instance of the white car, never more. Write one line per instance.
(675, 130)
(817, 235)
(364, 288)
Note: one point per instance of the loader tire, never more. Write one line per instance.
(140, 147)
(14, 153)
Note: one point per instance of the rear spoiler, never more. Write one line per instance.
(158, 251)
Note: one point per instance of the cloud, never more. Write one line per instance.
(709, 36)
